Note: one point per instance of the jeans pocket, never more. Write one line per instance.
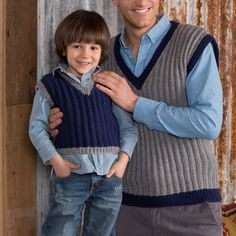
(215, 212)
(56, 178)
(117, 177)
(64, 178)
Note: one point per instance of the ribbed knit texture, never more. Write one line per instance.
(89, 125)
(166, 170)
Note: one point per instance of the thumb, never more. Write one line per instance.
(74, 166)
(110, 173)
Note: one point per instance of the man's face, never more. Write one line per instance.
(138, 14)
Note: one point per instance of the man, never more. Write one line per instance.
(166, 75)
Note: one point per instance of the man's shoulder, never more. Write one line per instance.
(190, 28)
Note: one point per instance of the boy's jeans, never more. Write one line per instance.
(101, 197)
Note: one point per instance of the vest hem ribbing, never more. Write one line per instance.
(88, 150)
(180, 199)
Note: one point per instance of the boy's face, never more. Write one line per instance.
(82, 57)
(138, 14)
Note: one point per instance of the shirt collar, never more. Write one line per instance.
(154, 33)
(63, 68)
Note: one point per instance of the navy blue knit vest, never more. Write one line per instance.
(89, 125)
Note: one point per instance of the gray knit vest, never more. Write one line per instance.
(164, 165)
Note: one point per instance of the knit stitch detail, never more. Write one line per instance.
(89, 124)
(44, 93)
(199, 50)
(88, 150)
(84, 90)
(138, 81)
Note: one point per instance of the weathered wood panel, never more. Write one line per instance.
(218, 16)
(20, 170)
(2, 110)
(19, 77)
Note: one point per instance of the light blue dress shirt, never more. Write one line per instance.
(203, 117)
(89, 163)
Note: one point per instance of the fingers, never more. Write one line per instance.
(55, 114)
(53, 124)
(108, 79)
(111, 74)
(105, 90)
(54, 110)
(110, 173)
(74, 166)
(53, 132)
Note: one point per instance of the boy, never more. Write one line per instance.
(96, 138)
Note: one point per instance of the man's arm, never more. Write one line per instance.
(201, 119)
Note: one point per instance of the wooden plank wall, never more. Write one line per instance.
(2, 111)
(18, 158)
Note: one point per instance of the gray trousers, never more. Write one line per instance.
(203, 219)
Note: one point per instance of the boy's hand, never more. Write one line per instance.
(55, 119)
(118, 168)
(62, 167)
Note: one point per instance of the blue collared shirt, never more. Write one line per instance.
(203, 117)
(98, 163)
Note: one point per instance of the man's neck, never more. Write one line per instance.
(133, 38)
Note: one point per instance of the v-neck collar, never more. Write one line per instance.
(139, 81)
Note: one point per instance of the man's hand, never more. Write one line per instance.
(118, 168)
(117, 88)
(62, 167)
(55, 119)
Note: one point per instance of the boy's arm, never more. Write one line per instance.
(38, 129)
(118, 168)
(128, 131)
(128, 140)
(38, 132)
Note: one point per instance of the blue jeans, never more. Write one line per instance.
(100, 196)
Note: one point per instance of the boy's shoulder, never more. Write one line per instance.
(48, 76)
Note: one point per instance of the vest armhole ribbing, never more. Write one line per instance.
(44, 93)
(199, 50)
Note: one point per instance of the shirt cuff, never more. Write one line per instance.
(128, 148)
(47, 152)
(143, 111)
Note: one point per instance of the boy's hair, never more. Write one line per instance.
(82, 26)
